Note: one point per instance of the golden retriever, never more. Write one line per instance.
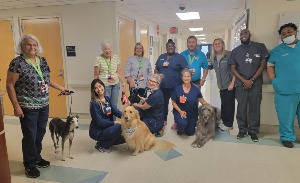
(136, 133)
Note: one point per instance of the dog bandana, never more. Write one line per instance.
(129, 132)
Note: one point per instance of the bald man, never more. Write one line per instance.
(247, 62)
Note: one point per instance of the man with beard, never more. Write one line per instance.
(196, 60)
(170, 65)
(247, 62)
(283, 70)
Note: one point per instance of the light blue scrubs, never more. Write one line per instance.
(195, 61)
(286, 84)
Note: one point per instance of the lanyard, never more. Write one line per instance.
(191, 60)
(108, 65)
(140, 63)
(38, 68)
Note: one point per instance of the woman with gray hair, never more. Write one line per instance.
(27, 84)
(152, 109)
(185, 100)
(107, 67)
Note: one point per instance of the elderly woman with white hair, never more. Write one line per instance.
(152, 110)
(107, 68)
(27, 84)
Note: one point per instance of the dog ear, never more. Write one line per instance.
(137, 115)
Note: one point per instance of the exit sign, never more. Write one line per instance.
(173, 30)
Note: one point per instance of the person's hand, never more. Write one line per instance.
(182, 114)
(202, 81)
(131, 84)
(18, 111)
(230, 87)
(248, 84)
(123, 87)
(117, 122)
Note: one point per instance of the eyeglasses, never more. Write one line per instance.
(152, 81)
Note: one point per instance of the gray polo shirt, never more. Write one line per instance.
(247, 59)
(223, 72)
(133, 68)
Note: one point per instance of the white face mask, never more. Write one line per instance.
(289, 40)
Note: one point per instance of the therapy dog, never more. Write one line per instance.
(134, 98)
(65, 130)
(135, 131)
(207, 122)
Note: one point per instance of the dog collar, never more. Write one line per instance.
(129, 132)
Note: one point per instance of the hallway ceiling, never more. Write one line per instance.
(215, 15)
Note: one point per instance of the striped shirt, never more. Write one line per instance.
(104, 69)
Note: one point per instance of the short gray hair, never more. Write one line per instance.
(19, 50)
(106, 42)
(186, 70)
(158, 77)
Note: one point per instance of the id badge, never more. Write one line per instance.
(248, 60)
(192, 70)
(44, 88)
(141, 77)
(182, 99)
(109, 76)
(108, 110)
(166, 64)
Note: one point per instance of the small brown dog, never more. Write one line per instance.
(136, 133)
(207, 122)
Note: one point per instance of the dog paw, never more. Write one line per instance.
(194, 145)
(63, 159)
(135, 153)
(124, 149)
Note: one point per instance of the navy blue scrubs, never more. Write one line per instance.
(154, 116)
(190, 106)
(172, 76)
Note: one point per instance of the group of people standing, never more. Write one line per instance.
(176, 76)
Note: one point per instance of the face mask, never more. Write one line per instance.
(289, 40)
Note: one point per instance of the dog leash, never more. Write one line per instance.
(67, 92)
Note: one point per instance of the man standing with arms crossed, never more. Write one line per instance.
(247, 62)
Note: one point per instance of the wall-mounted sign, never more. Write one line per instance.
(71, 51)
(173, 30)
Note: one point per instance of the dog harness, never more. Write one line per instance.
(129, 132)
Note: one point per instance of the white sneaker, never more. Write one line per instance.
(224, 128)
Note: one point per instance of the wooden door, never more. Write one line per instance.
(6, 55)
(144, 39)
(47, 30)
(127, 41)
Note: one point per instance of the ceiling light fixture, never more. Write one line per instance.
(188, 16)
(201, 38)
(196, 29)
(200, 35)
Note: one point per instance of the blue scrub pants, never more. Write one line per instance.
(33, 126)
(110, 136)
(167, 95)
(185, 125)
(153, 125)
(287, 106)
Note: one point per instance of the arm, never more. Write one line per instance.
(115, 111)
(182, 113)
(203, 79)
(271, 72)
(10, 87)
(96, 72)
(261, 68)
(143, 106)
(57, 86)
(231, 85)
(128, 74)
(97, 117)
(202, 101)
(156, 71)
(121, 78)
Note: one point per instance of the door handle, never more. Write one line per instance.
(61, 73)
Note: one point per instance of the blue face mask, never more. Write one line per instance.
(289, 40)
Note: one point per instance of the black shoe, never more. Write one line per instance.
(254, 137)
(32, 172)
(42, 163)
(241, 135)
(287, 144)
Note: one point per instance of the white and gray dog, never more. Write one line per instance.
(207, 123)
(64, 129)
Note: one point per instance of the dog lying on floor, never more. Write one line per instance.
(65, 130)
(136, 132)
(207, 123)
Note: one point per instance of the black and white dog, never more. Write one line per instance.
(64, 129)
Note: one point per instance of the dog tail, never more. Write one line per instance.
(162, 145)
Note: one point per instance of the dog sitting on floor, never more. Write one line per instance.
(65, 130)
(207, 123)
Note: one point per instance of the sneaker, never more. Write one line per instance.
(160, 133)
(287, 144)
(32, 172)
(103, 150)
(224, 128)
(174, 126)
(254, 137)
(241, 135)
(42, 163)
